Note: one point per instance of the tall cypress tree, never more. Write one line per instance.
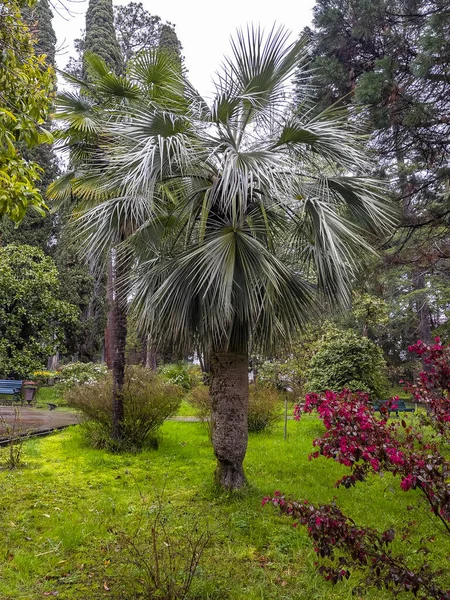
(100, 36)
(39, 20)
(168, 39)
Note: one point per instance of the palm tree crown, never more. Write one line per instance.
(235, 209)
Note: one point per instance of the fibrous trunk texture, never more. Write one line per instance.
(229, 398)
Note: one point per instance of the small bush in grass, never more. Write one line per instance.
(264, 406)
(77, 373)
(161, 558)
(147, 399)
(201, 402)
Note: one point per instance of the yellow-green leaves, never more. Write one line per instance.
(26, 84)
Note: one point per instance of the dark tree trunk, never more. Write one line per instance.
(109, 330)
(119, 335)
(422, 308)
(229, 398)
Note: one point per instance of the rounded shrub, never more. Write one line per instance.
(147, 400)
(346, 360)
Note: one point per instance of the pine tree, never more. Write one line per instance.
(389, 61)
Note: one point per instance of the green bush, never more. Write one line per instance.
(184, 374)
(288, 372)
(77, 373)
(347, 360)
(264, 405)
(147, 399)
(200, 400)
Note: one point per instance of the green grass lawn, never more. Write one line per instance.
(64, 512)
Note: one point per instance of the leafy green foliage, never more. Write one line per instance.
(345, 359)
(388, 60)
(39, 17)
(147, 402)
(27, 83)
(32, 316)
(289, 372)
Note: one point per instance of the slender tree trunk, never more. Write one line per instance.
(150, 355)
(422, 308)
(119, 334)
(229, 398)
(109, 330)
(420, 304)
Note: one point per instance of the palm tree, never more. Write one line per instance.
(241, 211)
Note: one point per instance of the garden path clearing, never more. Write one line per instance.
(33, 421)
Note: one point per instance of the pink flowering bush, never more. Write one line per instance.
(415, 452)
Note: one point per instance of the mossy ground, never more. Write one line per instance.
(64, 510)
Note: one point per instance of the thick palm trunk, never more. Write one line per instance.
(119, 336)
(229, 395)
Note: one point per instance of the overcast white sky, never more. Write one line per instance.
(204, 27)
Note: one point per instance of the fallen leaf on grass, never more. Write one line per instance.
(105, 586)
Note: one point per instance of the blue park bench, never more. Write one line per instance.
(11, 387)
(396, 406)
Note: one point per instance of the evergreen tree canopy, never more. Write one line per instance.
(389, 62)
(39, 20)
(100, 36)
(32, 317)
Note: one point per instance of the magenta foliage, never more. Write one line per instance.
(432, 387)
(343, 546)
(356, 438)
